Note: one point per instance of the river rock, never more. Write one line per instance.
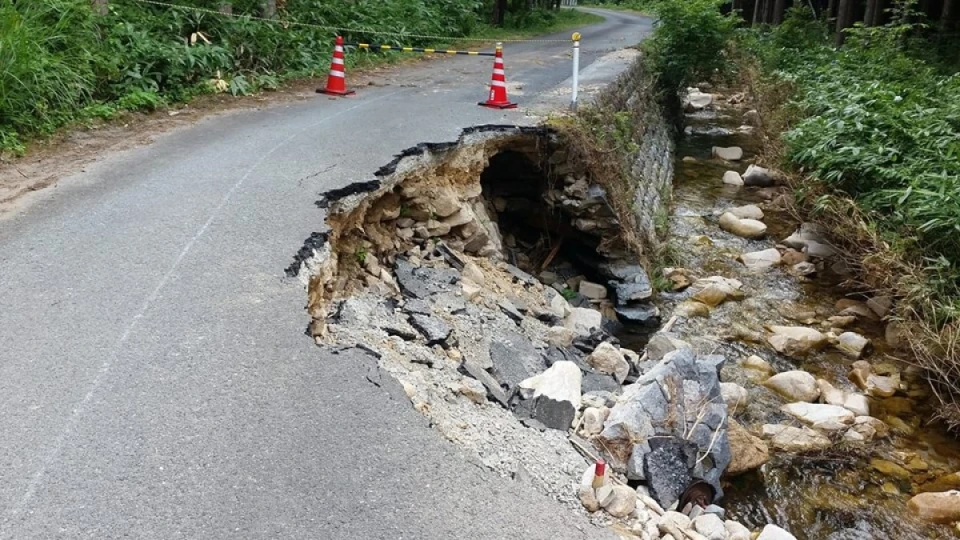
(692, 308)
(852, 344)
(736, 531)
(710, 526)
(772, 532)
(748, 452)
(734, 395)
(593, 291)
(870, 427)
(747, 211)
(808, 232)
(755, 363)
(803, 269)
(794, 439)
(820, 250)
(757, 176)
(820, 416)
(622, 503)
(795, 385)
(732, 178)
(583, 321)
(752, 118)
(731, 153)
(716, 290)
(858, 404)
(607, 359)
(761, 260)
(791, 257)
(882, 386)
(942, 507)
(830, 394)
(796, 340)
(746, 228)
(880, 305)
(945, 482)
(695, 100)
(859, 373)
(556, 392)
(673, 519)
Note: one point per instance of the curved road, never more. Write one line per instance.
(155, 381)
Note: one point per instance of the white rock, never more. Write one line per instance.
(473, 272)
(560, 382)
(761, 260)
(593, 419)
(558, 336)
(747, 211)
(716, 290)
(796, 340)
(623, 503)
(675, 519)
(607, 359)
(795, 385)
(883, 386)
(746, 228)
(605, 495)
(772, 532)
(470, 289)
(731, 153)
(736, 531)
(793, 439)
(820, 250)
(830, 394)
(559, 306)
(858, 404)
(732, 178)
(820, 416)
(592, 290)
(854, 435)
(734, 395)
(755, 363)
(804, 268)
(852, 344)
(710, 526)
(695, 100)
(473, 390)
(583, 321)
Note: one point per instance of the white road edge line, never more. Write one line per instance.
(111, 360)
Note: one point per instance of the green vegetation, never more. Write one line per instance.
(60, 62)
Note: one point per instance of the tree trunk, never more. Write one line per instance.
(738, 8)
(946, 16)
(499, 11)
(831, 11)
(768, 13)
(871, 14)
(779, 7)
(268, 9)
(100, 7)
(758, 7)
(844, 20)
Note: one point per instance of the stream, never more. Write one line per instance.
(850, 491)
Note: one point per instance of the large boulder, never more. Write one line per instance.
(820, 416)
(796, 341)
(695, 100)
(661, 441)
(795, 385)
(732, 178)
(943, 507)
(730, 153)
(746, 228)
(757, 176)
(556, 394)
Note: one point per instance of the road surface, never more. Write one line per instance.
(155, 380)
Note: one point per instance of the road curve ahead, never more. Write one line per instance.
(155, 380)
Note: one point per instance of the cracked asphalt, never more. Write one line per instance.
(155, 379)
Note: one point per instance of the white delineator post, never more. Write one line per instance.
(576, 70)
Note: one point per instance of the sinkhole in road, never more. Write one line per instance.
(519, 195)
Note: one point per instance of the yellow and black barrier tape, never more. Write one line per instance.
(427, 50)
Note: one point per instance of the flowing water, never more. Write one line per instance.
(849, 491)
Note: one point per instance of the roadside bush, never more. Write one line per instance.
(689, 43)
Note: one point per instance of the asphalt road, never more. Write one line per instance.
(155, 381)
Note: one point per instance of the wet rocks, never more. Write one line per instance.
(820, 416)
(757, 176)
(852, 344)
(772, 532)
(556, 394)
(794, 439)
(716, 290)
(796, 341)
(731, 153)
(747, 451)
(943, 507)
(732, 178)
(608, 359)
(761, 260)
(795, 385)
(748, 211)
(695, 100)
(757, 364)
(746, 228)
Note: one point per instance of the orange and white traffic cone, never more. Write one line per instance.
(498, 85)
(337, 81)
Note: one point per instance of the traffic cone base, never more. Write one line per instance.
(337, 80)
(498, 86)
